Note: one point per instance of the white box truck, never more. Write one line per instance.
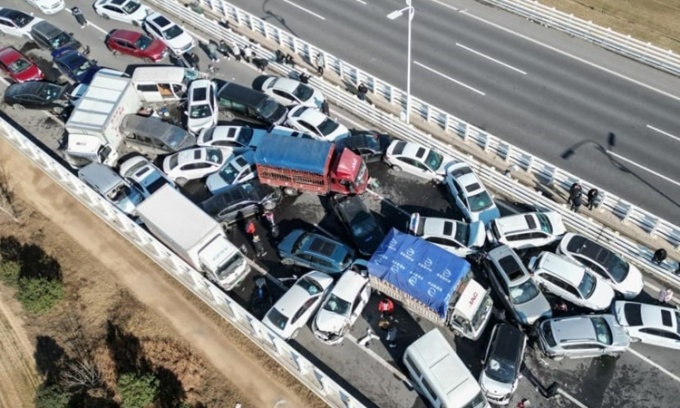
(194, 236)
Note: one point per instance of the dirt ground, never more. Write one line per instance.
(654, 21)
(108, 283)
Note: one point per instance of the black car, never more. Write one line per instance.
(52, 38)
(248, 104)
(242, 201)
(359, 222)
(502, 363)
(369, 145)
(38, 95)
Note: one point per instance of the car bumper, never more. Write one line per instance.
(53, 8)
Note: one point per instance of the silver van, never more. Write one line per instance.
(111, 186)
(151, 135)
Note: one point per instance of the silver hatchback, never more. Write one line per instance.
(582, 337)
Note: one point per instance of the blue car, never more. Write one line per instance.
(75, 65)
(315, 251)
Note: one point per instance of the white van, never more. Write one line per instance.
(159, 84)
(439, 374)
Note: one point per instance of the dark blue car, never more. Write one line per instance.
(315, 251)
(75, 65)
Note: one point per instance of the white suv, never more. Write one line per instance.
(527, 230)
(174, 36)
(201, 105)
(454, 236)
(469, 194)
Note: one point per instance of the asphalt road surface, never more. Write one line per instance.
(642, 376)
(531, 86)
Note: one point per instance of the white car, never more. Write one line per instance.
(312, 121)
(174, 36)
(201, 105)
(457, 237)
(144, 175)
(528, 230)
(47, 6)
(417, 160)
(292, 311)
(341, 308)
(126, 11)
(237, 170)
(649, 324)
(288, 91)
(195, 163)
(621, 275)
(17, 23)
(470, 195)
(570, 281)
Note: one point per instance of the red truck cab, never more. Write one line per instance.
(349, 175)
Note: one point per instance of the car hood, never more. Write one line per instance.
(537, 308)
(602, 297)
(632, 285)
(156, 48)
(215, 183)
(140, 14)
(329, 322)
(477, 234)
(181, 42)
(198, 124)
(495, 388)
(32, 73)
(446, 163)
(286, 246)
(487, 215)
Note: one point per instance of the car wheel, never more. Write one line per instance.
(18, 106)
(396, 168)
(613, 355)
(229, 116)
(558, 358)
(269, 205)
(287, 261)
(635, 340)
(57, 110)
(106, 17)
(181, 181)
(295, 333)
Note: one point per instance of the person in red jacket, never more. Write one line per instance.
(386, 306)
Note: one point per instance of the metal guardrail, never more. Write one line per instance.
(643, 52)
(542, 170)
(314, 378)
(500, 183)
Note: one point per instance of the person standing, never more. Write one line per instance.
(248, 53)
(659, 256)
(362, 90)
(212, 52)
(392, 336)
(325, 108)
(320, 64)
(304, 78)
(80, 17)
(386, 306)
(665, 295)
(236, 49)
(575, 189)
(576, 201)
(592, 196)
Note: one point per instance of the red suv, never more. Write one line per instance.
(136, 44)
(18, 66)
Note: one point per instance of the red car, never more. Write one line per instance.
(136, 44)
(19, 66)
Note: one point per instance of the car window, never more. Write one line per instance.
(602, 330)
(413, 367)
(283, 95)
(429, 389)
(587, 285)
(443, 241)
(277, 318)
(653, 332)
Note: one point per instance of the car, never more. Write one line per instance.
(621, 275)
(512, 282)
(146, 177)
(18, 66)
(529, 230)
(194, 163)
(242, 136)
(241, 201)
(239, 169)
(454, 236)
(47, 6)
(136, 45)
(502, 363)
(174, 36)
(312, 121)
(115, 189)
(240, 102)
(288, 91)
(17, 23)
(38, 95)
(341, 308)
(571, 281)
(416, 160)
(294, 309)
(53, 38)
(359, 221)
(315, 251)
(586, 336)
(649, 324)
(371, 146)
(75, 65)
(201, 105)
(470, 195)
(126, 11)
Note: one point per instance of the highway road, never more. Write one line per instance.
(642, 375)
(534, 87)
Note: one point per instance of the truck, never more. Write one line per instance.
(194, 236)
(308, 165)
(431, 282)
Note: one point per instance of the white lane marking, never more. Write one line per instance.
(654, 364)
(449, 78)
(668, 179)
(570, 398)
(446, 5)
(362, 2)
(566, 54)
(380, 360)
(664, 133)
(490, 58)
(304, 9)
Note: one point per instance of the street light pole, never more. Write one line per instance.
(392, 16)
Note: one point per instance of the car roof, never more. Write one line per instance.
(286, 84)
(349, 284)
(310, 115)
(159, 20)
(47, 29)
(562, 267)
(508, 344)
(410, 149)
(439, 226)
(128, 35)
(235, 193)
(116, 2)
(588, 248)
(11, 14)
(198, 91)
(639, 314)
(192, 155)
(516, 223)
(11, 53)
(513, 269)
(321, 245)
(351, 205)
(573, 328)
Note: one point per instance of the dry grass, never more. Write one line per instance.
(654, 21)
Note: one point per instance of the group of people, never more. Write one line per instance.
(576, 197)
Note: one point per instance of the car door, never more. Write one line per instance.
(584, 350)
(359, 303)
(459, 197)
(283, 97)
(309, 128)
(129, 48)
(306, 260)
(155, 32)
(115, 13)
(302, 315)
(557, 286)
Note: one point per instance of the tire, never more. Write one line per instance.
(287, 261)
(181, 181)
(269, 205)
(229, 115)
(291, 191)
(397, 169)
(57, 110)
(295, 333)
(106, 17)
(635, 340)
(557, 358)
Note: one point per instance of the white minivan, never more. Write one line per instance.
(439, 374)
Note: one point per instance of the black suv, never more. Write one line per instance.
(371, 146)
(249, 104)
(359, 222)
(502, 363)
(241, 201)
(53, 38)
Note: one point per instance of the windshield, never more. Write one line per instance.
(200, 111)
(18, 66)
(267, 108)
(277, 318)
(462, 233)
(143, 42)
(500, 369)
(172, 32)
(152, 184)
(22, 20)
(480, 202)
(327, 127)
(361, 225)
(617, 267)
(229, 173)
(337, 305)
(303, 92)
(84, 67)
(310, 286)
(484, 309)
(60, 40)
(245, 135)
(434, 160)
(301, 242)
(214, 155)
(545, 223)
(602, 331)
(230, 267)
(587, 286)
(176, 137)
(131, 6)
(523, 293)
(477, 402)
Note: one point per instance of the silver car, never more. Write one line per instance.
(582, 337)
(513, 284)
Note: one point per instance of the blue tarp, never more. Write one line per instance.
(421, 269)
(293, 153)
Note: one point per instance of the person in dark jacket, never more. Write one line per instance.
(325, 108)
(362, 90)
(575, 190)
(576, 201)
(659, 256)
(80, 17)
(592, 197)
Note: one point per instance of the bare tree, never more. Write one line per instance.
(81, 371)
(82, 375)
(7, 199)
